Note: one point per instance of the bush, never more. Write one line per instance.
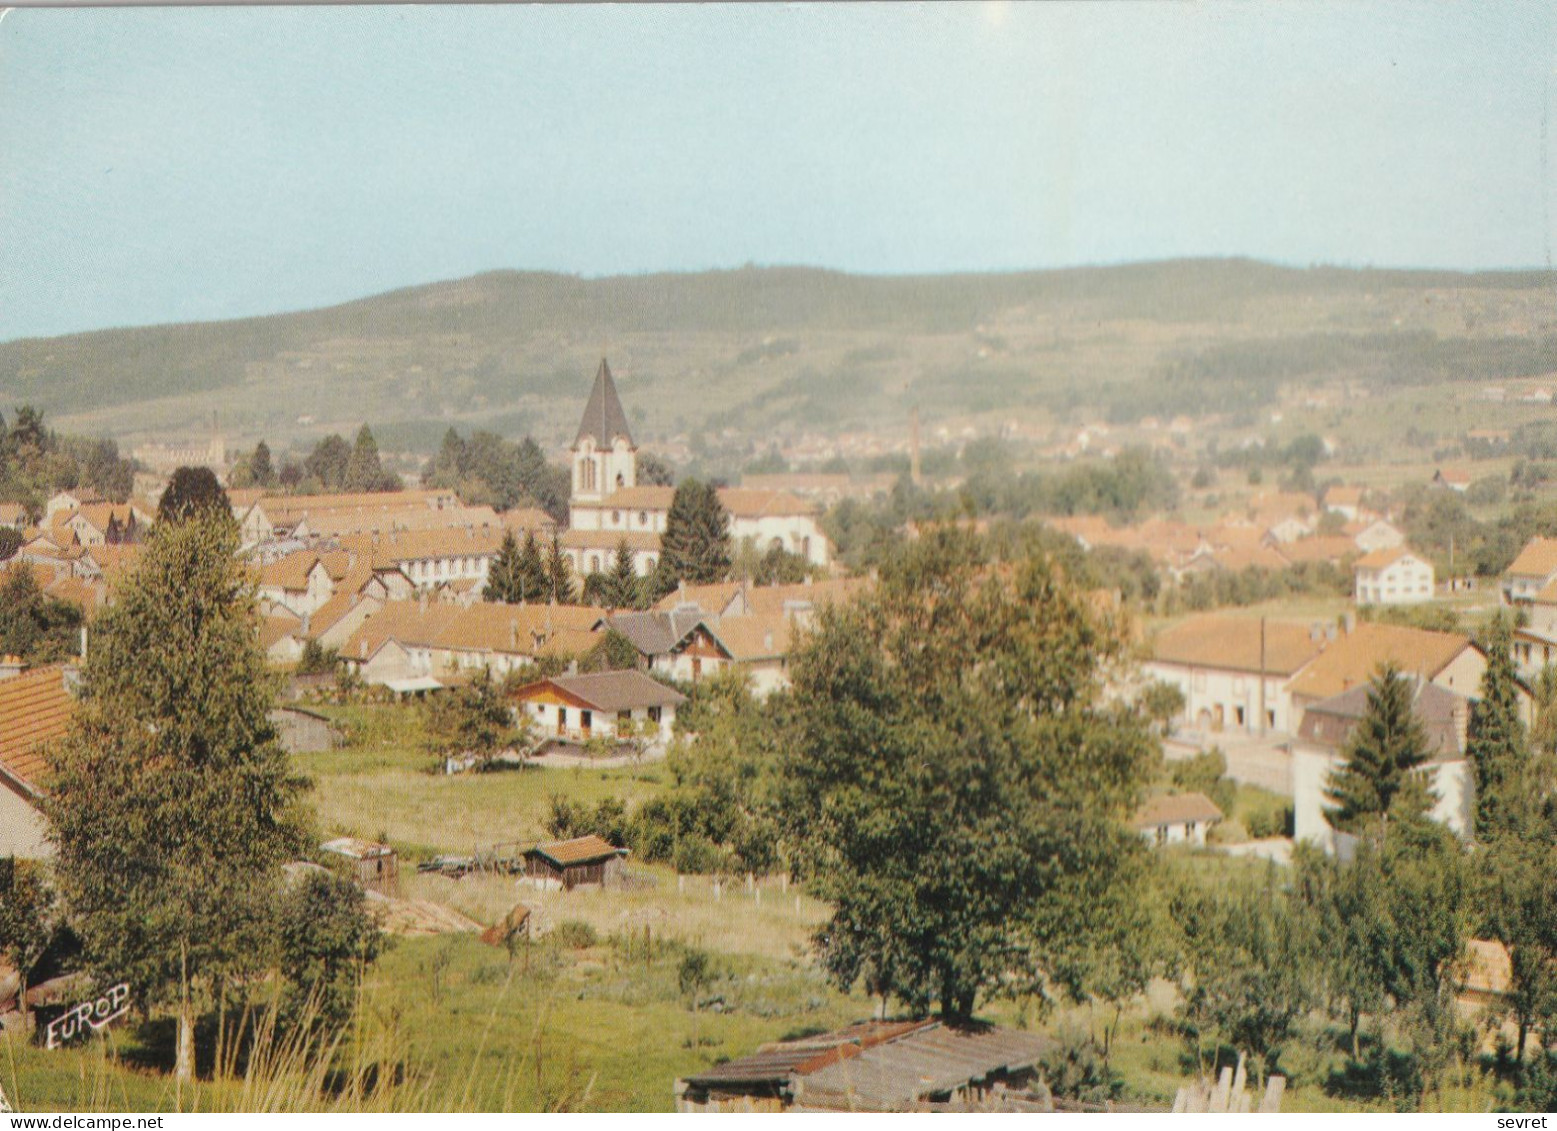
(1205, 773)
(1076, 1069)
(575, 935)
(1268, 824)
(700, 855)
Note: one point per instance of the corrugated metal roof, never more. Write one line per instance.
(896, 1074)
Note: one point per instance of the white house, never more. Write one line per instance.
(1532, 571)
(1183, 818)
(1393, 577)
(1319, 751)
(1234, 670)
(610, 705)
(1377, 535)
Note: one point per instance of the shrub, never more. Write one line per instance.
(1076, 1069)
(575, 935)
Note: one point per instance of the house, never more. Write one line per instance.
(1448, 659)
(1375, 535)
(1233, 671)
(1452, 479)
(35, 710)
(1344, 501)
(375, 867)
(1532, 570)
(1393, 577)
(1183, 818)
(568, 864)
(608, 505)
(880, 1066)
(610, 705)
(1319, 750)
(678, 644)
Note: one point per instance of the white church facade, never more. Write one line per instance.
(608, 505)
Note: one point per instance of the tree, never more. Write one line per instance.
(517, 574)
(191, 491)
(328, 462)
(952, 771)
(695, 547)
(1380, 778)
(1247, 968)
(474, 720)
(621, 588)
(694, 975)
(11, 541)
(1163, 702)
(173, 805)
(260, 467)
(28, 918)
(363, 470)
(1497, 745)
(654, 472)
(38, 628)
(613, 652)
(559, 575)
(326, 937)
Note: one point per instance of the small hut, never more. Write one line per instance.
(569, 863)
(374, 866)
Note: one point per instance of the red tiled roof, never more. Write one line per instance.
(35, 710)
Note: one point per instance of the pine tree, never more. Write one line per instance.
(532, 569)
(696, 545)
(621, 584)
(173, 805)
(505, 578)
(1379, 778)
(1497, 747)
(559, 575)
(260, 467)
(363, 470)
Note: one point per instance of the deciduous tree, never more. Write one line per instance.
(172, 804)
(952, 767)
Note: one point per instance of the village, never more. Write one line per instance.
(373, 607)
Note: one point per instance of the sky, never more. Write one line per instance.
(168, 165)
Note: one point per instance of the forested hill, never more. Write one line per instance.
(731, 348)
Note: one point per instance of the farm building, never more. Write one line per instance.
(581, 707)
(569, 863)
(302, 731)
(1184, 818)
(875, 1066)
(374, 866)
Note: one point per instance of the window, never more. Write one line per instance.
(624, 716)
(616, 518)
(1238, 714)
(586, 719)
(654, 714)
(1270, 719)
(643, 518)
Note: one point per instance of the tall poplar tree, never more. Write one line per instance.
(172, 804)
(560, 585)
(1498, 745)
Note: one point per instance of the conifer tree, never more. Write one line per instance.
(172, 803)
(1379, 778)
(622, 586)
(696, 545)
(1497, 747)
(559, 575)
(260, 468)
(363, 470)
(532, 568)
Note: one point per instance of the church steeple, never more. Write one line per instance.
(604, 456)
(604, 419)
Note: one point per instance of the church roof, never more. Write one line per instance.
(604, 419)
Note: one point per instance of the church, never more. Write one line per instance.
(609, 506)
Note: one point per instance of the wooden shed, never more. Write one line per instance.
(569, 863)
(374, 866)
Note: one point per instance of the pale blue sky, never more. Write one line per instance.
(178, 164)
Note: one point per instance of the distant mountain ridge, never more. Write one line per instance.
(504, 345)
